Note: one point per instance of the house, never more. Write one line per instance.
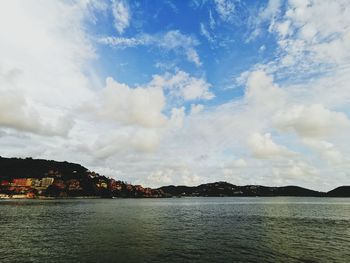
(115, 185)
(4, 183)
(36, 182)
(73, 184)
(46, 182)
(22, 182)
(102, 184)
(59, 183)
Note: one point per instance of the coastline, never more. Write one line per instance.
(172, 197)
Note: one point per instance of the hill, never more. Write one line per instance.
(227, 189)
(31, 178)
(342, 191)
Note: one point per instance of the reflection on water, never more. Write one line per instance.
(176, 230)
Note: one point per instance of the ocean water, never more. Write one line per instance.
(278, 229)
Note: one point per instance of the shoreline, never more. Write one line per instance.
(173, 197)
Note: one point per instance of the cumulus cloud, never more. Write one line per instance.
(311, 121)
(196, 108)
(263, 146)
(190, 179)
(262, 91)
(17, 114)
(132, 106)
(295, 170)
(327, 150)
(43, 53)
(175, 175)
(177, 117)
(157, 178)
(184, 86)
(144, 105)
(134, 116)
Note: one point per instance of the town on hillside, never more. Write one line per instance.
(52, 185)
(29, 178)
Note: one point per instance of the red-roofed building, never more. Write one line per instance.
(21, 182)
(5, 183)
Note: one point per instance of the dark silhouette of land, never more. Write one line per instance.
(35, 178)
(227, 189)
(342, 191)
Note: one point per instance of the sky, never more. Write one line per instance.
(180, 92)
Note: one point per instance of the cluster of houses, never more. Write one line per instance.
(53, 184)
(32, 187)
(122, 189)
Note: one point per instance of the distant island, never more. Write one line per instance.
(37, 178)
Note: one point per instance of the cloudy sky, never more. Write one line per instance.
(180, 92)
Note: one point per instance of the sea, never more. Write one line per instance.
(223, 229)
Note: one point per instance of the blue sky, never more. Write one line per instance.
(180, 92)
(222, 43)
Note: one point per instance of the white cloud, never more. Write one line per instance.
(172, 40)
(263, 92)
(283, 28)
(212, 22)
(269, 13)
(225, 9)
(313, 33)
(327, 151)
(158, 178)
(263, 146)
(193, 56)
(123, 42)
(312, 121)
(295, 170)
(134, 116)
(196, 108)
(190, 179)
(272, 9)
(17, 114)
(184, 86)
(43, 49)
(121, 13)
(138, 106)
(146, 140)
(204, 32)
(238, 163)
(177, 117)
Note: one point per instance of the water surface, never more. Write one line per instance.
(277, 229)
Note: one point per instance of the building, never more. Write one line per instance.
(46, 182)
(73, 184)
(5, 183)
(102, 184)
(22, 182)
(115, 185)
(59, 184)
(36, 182)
